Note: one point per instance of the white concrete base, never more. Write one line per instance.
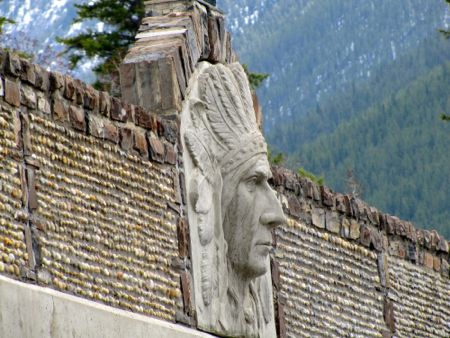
(30, 311)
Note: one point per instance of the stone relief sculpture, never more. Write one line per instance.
(232, 209)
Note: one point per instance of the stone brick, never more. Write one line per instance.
(345, 228)
(445, 268)
(355, 229)
(144, 118)
(27, 73)
(388, 314)
(43, 104)
(171, 155)
(170, 91)
(366, 236)
(442, 245)
(79, 92)
(12, 92)
(32, 195)
(56, 81)
(318, 218)
(26, 135)
(96, 126)
(187, 292)
(436, 263)
(90, 99)
(126, 138)
(214, 40)
(327, 196)
(69, 88)
(59, 108)
(140, 143)
(295, 208)
(130, 112)
(28, 97)
(390, 224)
(434, 239)
(275, 268)
(332, 222)
(29, 245)
(170, 130)
(182, 187)
(383, 270)
(104, 103)
(111, 132)
(280, 321)
(156, 150)
(42, 81)
(183, 237)
(77, 118)
(428, 260)
(412, 253)
(118, 112)
(12, 64)
(427, 240)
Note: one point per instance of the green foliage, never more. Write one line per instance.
(275, 158)
(3, 21)
(445, 117)
(317, 179)
(122, 19)
(255, 79)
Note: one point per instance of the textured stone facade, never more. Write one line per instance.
(343, 268)
(90, 193)
(92, 202)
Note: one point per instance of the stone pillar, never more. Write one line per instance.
(173, 37)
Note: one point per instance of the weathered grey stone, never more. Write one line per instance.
(126, 138)
(156, 149)
(56, 81)
(12, 92)
(59, 108)
(140, 143)
(332, 222)
(43, 104)
(28, 97)
(318, 217)
(226, 163)
(77, 118)
(118, 112)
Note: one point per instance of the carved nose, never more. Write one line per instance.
(273, 216)
(273, 220)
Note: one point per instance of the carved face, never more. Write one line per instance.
(251, 215)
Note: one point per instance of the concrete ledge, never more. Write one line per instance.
(30, 311)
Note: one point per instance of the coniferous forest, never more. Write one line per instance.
(357, 87)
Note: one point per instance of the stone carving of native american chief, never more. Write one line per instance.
(231, 207)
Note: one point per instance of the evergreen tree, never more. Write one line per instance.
(3, 21)
(121, 19)
(446, 32)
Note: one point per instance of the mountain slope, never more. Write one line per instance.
(398, 150)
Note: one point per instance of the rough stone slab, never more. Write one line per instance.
(12, 92)
(30, 311)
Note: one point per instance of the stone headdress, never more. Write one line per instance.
(223, 142)
(226, 135)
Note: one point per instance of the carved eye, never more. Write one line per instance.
(253, 181)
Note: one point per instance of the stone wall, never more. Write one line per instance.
(92, 202)
(343, 268)
(89, 192)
